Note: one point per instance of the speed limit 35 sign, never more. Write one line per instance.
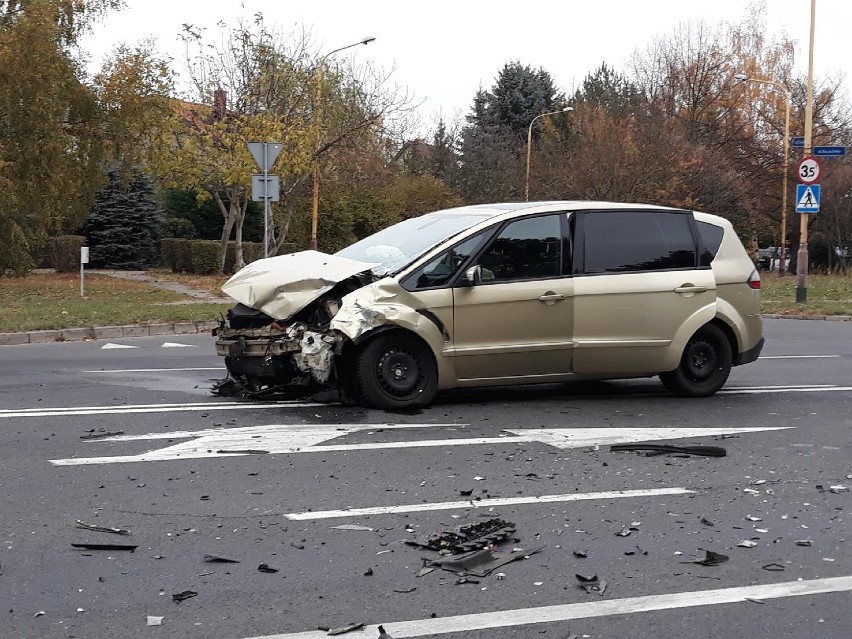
(809, 170)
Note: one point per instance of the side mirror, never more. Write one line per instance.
(473, 275)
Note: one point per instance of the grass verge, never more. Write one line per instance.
(827, 295)
(52, 301)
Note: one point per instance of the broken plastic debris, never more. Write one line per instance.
(478, 478)
(154, 621)
(469, 537)
(244, 451)
(216, 559)
(383, 634)
(405, 591)
(266, 568)
(707, 522)
(40, 613)
(466, 493)
(103, 434)
(747, 543)
(352, 527)
(752, 518)
(343, 629)
(751, 491)
(581, 554)
(105, 529)
(87, 546)
(182, 596)
(838, 489)
(773, 567)
(711, 559)
(591, 584)
(480, 563)
(804, 542)
(705, 451)
(368, 572)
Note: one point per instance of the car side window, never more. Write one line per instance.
(633, 241)
(442, 269)
(526, 249)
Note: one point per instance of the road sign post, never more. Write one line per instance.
(807, 198)
(84, 259)
(265, 154)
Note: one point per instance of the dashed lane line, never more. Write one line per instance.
(151, 408)
(587, 610)
(158, 370)
(484, 503)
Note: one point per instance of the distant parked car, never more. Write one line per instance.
(500, 294)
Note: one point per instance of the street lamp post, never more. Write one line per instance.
(744, 78)
(802, 256)
(529, 146)
(318, 112)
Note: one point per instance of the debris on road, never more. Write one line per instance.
(581, 554)
(266, 568)
(774, 567)
(707, 522)
(383, 634)
(352, 527)
(244, 451)
(753, 518)
(183, 596)
(100, 435)
(405, 591)
(838, 489)
(341, 630)
(804, 542)
(468, 537)
(747, 543)
(711, 559)
(87, 546)
(657, 449)
(591, 584)
(216, 559)
(105, 529)
(480, 563)
(368, 572)
(466, 493)
(154, 621)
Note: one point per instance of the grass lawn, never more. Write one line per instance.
(52, 301)
(827, 295)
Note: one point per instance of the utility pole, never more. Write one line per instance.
(802, 255)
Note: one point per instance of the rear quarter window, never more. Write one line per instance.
(711, 239)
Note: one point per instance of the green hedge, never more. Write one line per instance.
(63, 252)
(201, 256)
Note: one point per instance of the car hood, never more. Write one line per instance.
(281, 286)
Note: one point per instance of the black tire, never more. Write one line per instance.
(704, 366)
(395, 371)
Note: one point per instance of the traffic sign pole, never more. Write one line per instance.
(802, 256)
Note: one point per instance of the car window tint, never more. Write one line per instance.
(711, 240)
(625, 241)
(525, 249)
(441, 270)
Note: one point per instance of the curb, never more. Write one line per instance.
(105, 332)
(185, 328)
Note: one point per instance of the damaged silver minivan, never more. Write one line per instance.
(499, 294)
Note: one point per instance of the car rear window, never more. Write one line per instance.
(711, 239)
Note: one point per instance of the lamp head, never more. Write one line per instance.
(567, 109)
(741, 77)
(367, 40)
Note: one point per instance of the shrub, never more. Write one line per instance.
(15, 258)
(63, 252)
(204, 256)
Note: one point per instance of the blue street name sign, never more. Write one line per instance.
(799, 140)
(807, 198)
(830, 150)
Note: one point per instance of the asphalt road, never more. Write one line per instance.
(528, 456)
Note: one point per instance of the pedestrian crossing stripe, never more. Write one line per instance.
(807, 198)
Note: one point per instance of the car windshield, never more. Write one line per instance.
(398, 245)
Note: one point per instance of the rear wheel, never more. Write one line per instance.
(394, 371)
(704, 366)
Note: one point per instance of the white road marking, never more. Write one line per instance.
(111, 346)
(798, 356)
(150, 408)
(783, 389)
(307, 438)
(156, 370)
(484, 503)
(177, 345)
(591, 609)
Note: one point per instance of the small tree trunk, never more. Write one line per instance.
(228, 224)
(239, 258)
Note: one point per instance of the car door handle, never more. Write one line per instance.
(689, 288)
(550, 297)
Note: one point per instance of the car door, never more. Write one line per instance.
(639, 292)
(515, 322)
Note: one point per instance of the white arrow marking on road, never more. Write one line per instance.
(591, 609)
(156, 370)
(798, 356)
(110, 345)
(484, 503)
(305, 438)
(178, 345)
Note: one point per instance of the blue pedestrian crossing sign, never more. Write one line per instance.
(807, 198)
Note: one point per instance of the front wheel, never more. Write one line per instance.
(704, 366)
(394, 371)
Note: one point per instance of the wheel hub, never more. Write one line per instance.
(398, 372)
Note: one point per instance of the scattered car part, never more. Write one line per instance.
(481, 563)
(102, 434)
(711, 559)
(352, 527)
(468, 537)
(747, 543)
(383, 634)
(706, 451)
(591, 584)
(183, 596)
(342, 629)
(154, 621)
(266, 568)
(88, 546)
(216, 559)
(104, 529)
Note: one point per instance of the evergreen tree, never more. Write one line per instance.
(605, 87)
(123, 227)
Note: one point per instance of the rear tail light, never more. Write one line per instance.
(754, 280)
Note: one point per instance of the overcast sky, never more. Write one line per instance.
(443, 50)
